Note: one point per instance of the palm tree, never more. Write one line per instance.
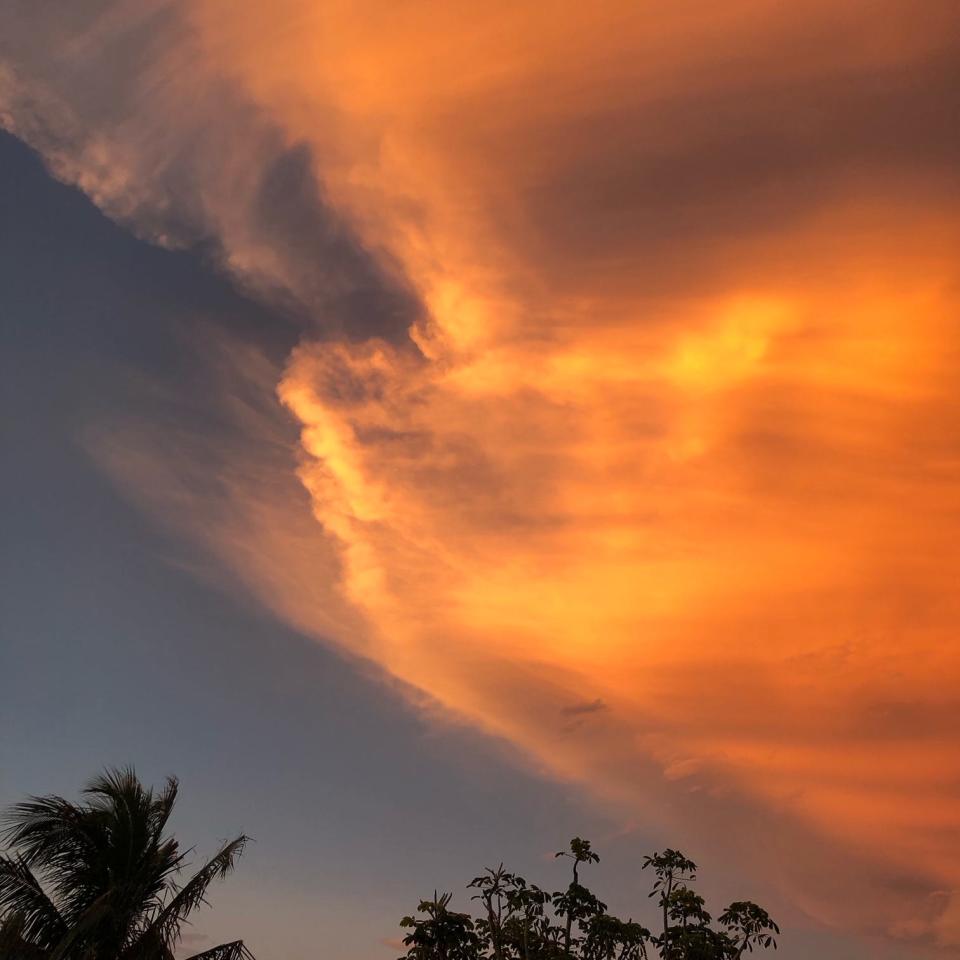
(99, 880)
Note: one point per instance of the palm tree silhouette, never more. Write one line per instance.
(98, 880)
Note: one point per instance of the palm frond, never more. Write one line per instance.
(84, 927)
(225, 951)
(165, 928)
(14, 944)
(45, 829)
(97, 878)
(163, 805)
(139, 860)
(21, 894)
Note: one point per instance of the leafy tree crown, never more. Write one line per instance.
(520, 921)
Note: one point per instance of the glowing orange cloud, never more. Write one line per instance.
(674, 431)
(698, 470)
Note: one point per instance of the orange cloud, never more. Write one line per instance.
(673, 428)
(738, 538)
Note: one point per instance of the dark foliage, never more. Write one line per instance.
(520, 921)
(100, 879)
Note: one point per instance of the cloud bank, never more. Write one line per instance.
(626, 392)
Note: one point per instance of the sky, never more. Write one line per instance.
(434, 430)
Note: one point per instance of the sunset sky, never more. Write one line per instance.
(437, 429)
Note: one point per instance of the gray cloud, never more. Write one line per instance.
(671, 184)
(116, 99)
(584, 709)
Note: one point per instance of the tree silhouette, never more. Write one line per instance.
(578, 903)
(98, 880)
(520, 921)
(442, 933)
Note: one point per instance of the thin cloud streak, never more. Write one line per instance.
(654, 407)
